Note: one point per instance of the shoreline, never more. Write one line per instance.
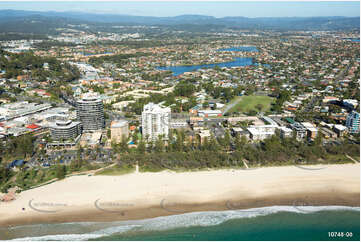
(139, 196)
(91, 215)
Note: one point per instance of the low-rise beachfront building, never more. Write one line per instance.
(203, 135)
(285, 132)
(261, 132)
(340, 130)
(300, 130)
(118, 130)
(240, 131)
(91, 139)
(311, 130)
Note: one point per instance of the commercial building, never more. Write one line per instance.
(65, 130)
(155, 121)
(19, 109)
(209, 113)
(353, 122)
(90, 112)
(118, 130)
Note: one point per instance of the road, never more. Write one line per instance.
(341, 75)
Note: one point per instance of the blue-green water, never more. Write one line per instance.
(269, 223)
(177, 70)
(353, 39)
(241, 48)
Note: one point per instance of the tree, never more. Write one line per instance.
(60, 171)
(141, 147)
(135, 137)
(205, 105)
(114, 146)
(259, 107)
(318, 139)
(179, 143)
(227, 139)
(213, 144)
(238, 142)
(184, 89)
(124, 144)
(159, 145)
(2, 151)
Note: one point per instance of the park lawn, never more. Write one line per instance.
(249, 103)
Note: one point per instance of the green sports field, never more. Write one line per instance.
(245, 104)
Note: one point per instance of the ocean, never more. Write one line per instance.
(267, 223)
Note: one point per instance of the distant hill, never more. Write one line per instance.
(46, 22)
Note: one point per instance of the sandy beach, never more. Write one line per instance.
(146, 195)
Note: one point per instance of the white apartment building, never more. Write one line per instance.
(155, 121)
(261, 132)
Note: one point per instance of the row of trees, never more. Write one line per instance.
(181, 152)
(118, 59)
(226, 93)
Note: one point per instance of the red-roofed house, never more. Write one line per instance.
(33, 126)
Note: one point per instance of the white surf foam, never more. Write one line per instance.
(217, 217)
(80, 237)
(209, 218)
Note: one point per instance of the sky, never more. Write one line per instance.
(212, 8)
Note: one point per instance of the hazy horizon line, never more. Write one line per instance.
(170, 16)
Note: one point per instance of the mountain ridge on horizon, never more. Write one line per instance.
(176, 16)
(10, 19)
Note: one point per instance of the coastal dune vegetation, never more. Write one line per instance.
(184, 154)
